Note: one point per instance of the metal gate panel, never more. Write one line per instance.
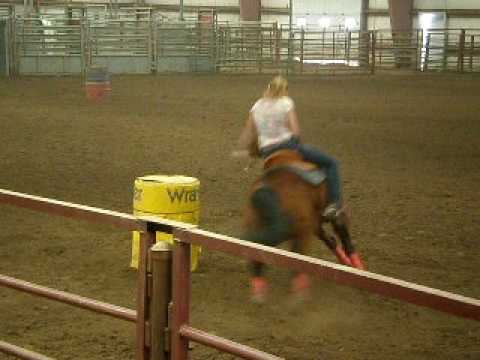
(48, 47)
(124, 46)
(184, 47)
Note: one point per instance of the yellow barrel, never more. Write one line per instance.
(172, 197)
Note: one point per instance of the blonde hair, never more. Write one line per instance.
(278, 87)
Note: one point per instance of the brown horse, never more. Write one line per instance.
(287, 203)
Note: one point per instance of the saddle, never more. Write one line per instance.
(291, 161)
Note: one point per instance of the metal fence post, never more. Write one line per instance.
(84, 57)
(302, 40)
(180, 296)
(472, 51)
(161, 257)
(461, 51)
(373, 47)
(418, 49)
(427, 52)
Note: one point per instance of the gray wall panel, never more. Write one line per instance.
(50, 65)
(173, 64)
(123, 64)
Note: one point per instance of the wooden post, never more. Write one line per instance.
(180, 296)
(161, 257)
(146, 241)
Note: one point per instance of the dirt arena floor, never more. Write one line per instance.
(409, 151)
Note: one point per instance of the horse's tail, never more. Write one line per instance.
(274, 223)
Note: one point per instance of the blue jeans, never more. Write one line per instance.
(319, 158)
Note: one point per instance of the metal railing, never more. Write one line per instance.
(121, 45)
(249, 47)
(57, 44)
(398, 49)
(452, 50)
(184, 46)
(48, 46)
(164, 282)
(6, 11)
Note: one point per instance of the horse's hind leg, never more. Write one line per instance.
(300, 285)
(341, 229)
(337, 249)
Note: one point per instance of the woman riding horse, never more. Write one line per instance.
(272, 125)
(283, 203)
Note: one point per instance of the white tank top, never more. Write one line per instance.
(270, 117)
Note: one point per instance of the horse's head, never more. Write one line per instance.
(282, 157)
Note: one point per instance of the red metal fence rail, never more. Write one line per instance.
(71, 299)
(379, 284)
(152, 331)
(21, 353)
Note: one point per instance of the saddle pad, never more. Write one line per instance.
(312, 176)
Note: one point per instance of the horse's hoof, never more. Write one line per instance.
(356, 262)
(300, 283)
(301, 289)
(259, 289)
(342, 257)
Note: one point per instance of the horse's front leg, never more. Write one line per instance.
(337, 249)
(341, 229)
(258, 284)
